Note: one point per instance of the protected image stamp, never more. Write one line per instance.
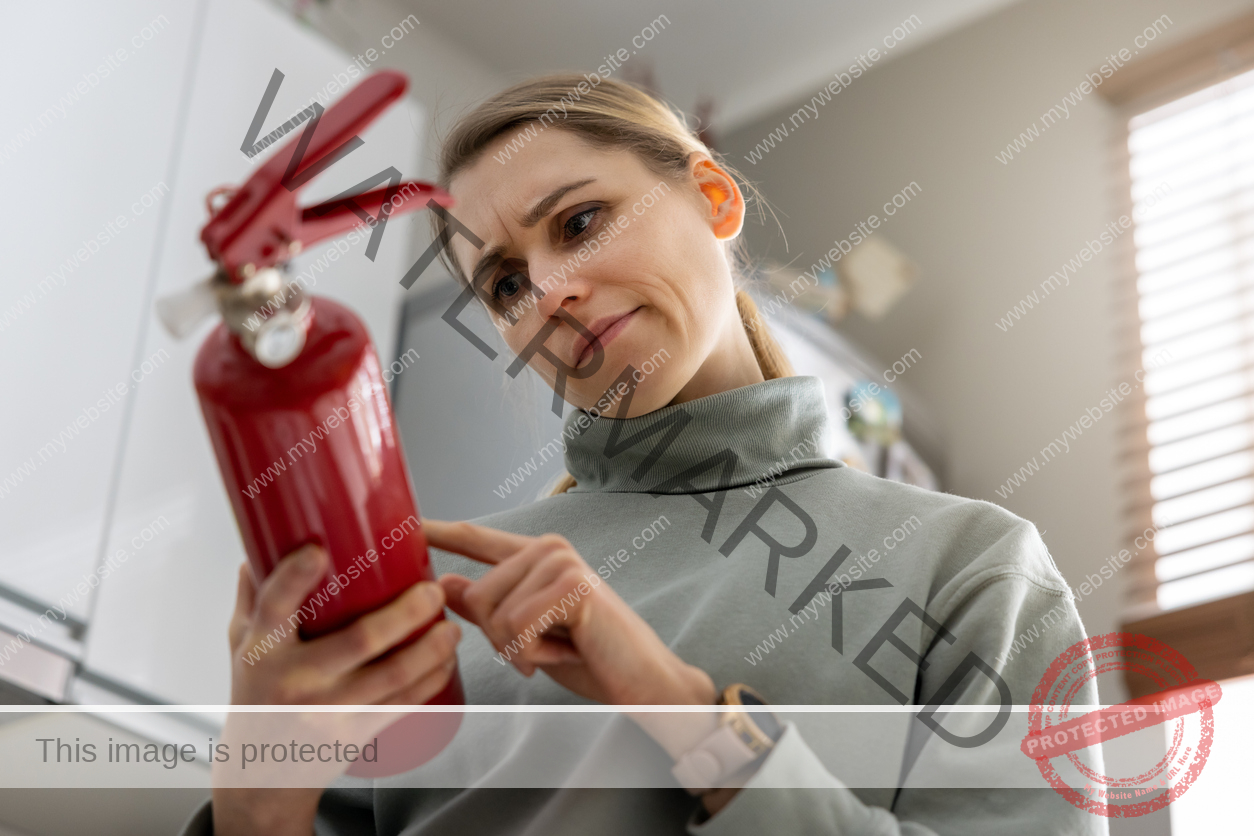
(1059, 740)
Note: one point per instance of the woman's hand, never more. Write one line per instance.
(543, 607)
(271, 665)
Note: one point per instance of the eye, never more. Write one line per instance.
(507, 287)
(579, 224)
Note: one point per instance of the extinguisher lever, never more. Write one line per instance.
(261, 225)
(305, 156)
(335, 217)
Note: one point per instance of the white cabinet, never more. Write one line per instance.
(141, 480)
(80, 149)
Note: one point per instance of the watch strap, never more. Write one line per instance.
(739, 740)
(715, 759)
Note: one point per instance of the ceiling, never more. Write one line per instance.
(748, 56)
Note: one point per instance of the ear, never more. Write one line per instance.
(726, 204)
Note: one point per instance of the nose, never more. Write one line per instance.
(552, 300)
(559, 291)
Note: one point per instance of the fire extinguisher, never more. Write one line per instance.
(294, 400)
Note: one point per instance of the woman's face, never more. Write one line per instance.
(636, 259)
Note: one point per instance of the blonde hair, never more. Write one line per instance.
(614, 114)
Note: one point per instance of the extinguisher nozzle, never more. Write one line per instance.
(181, 313)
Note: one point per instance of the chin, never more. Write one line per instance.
(608, 388)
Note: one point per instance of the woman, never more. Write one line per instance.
(699, 531)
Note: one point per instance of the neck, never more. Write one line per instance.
(730, 365)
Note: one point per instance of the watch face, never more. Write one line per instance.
(764, 720)
(747, 697)
(770, 726)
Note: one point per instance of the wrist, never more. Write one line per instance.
(698, 686)
(279, 811)
(675, 684)
(679, 731)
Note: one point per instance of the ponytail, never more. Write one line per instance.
(771, 358)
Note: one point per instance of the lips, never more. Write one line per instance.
(604, 330)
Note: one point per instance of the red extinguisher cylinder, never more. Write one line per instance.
(310, 453)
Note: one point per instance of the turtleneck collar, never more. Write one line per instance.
(753, 434)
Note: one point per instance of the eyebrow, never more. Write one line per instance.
(488, 257)
(545, 205)
(532, 217)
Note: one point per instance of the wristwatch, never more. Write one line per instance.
(741, 738)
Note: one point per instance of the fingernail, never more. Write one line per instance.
(310, 560)
(431, 593)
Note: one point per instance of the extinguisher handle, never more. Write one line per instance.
(335, 217)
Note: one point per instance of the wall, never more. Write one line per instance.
(985, 234)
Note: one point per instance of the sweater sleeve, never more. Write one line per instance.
(988, 789)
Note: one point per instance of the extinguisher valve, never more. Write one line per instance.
(270, 317)
(279, 340)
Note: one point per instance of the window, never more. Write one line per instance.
(1184, 161)
(1192, 188)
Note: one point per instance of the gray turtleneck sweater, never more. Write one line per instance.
(758, 559)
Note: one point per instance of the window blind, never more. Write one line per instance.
(1191, 170)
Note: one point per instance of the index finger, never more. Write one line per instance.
(486, 545)
(245, 599)
(245, 592)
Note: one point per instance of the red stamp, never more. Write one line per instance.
(1058, 739)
